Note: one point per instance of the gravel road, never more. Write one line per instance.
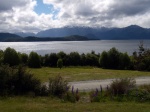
(93, 84)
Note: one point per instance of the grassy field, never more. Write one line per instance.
(42, 104)
(84, 73)
(48, 104)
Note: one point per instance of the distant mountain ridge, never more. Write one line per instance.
(85, 33)
(130, 32)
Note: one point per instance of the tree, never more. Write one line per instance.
(11, 57)
(24, 58)
(53, 59)
(34, 60)
(113, 58)
(104, 60)
(74, 58)
(91, 59)
(60, 63)
(1, 56)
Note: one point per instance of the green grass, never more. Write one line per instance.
(84, 73)
(46, 104)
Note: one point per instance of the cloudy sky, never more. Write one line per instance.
(37, 15)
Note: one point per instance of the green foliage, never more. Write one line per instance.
(60, 63)
(24, 58)
(121, 86)
(11, 57)
(5, 77)
(1, 56)
(141, 60)
(74, 58)
(23, 82)
(53, 59)
(16, 81)
(140, 95)
(104, 60)
(92, 60)
(97, 96)
(145, 87)
(58, 86)
(113, 59)
(34, 60)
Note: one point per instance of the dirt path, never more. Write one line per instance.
(93, 84)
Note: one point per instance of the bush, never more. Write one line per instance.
(72, 96)
(5, 77)
(97, 96)
(121, 86)
(58, 86)
(145, 87)
(140, 95)
(16, 81)
(24, 82)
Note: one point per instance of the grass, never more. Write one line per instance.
(84, 73)
(47, 104)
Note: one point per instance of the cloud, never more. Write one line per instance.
(19, 15)
(101, 12)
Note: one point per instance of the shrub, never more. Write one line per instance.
(145, 87)
(16, 81)
(58, 86)
(5, 78)
(72, 96)
(140, 95)
(24, 82)
(121, 86)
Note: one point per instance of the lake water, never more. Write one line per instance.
(98, 46)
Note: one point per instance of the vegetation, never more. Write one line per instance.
(17, 81)
(84, 73)
(113, 59)
(48, 104)
(60, 63)
(11, 57)
(34, 60)
(58, 86)
(121, 90)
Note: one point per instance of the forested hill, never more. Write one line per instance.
(7, 37)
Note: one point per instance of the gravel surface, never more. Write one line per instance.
(93, 84)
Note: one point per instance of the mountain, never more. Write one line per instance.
(81, 33)
(65, 31)
(22, 34)
(130, 32)
(9, 37)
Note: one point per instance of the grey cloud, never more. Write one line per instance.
(129, 8)
(6, 5)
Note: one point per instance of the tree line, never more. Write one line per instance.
(112, 59)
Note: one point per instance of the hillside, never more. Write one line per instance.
(126, 33)
(9, 37)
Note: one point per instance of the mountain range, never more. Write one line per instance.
(84, 33)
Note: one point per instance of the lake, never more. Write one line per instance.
(98, 46)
